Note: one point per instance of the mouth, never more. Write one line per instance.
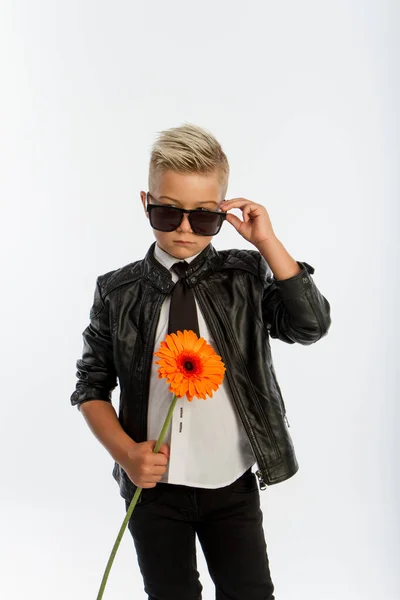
(183, 242)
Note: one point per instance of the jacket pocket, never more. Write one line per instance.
(279, 393)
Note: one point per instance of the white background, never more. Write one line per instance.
(304, 98)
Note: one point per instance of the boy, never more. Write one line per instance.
(201, 482)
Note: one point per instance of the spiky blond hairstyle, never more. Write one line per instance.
(188, 149)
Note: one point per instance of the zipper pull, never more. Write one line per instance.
(261, 482)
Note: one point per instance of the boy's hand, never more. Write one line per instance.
(256, 226)
(144, 467)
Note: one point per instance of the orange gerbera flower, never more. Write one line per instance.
(190, 365)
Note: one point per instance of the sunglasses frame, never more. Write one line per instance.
(183, 211)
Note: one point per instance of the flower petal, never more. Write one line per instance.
(207, 371)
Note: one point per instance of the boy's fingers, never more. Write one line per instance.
(164, 448)
(234, 220)
(234, 203)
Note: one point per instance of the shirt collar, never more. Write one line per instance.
(167, 260)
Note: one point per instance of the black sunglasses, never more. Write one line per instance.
(168, 218)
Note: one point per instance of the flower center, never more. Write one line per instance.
(190, 364)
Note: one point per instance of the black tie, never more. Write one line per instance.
(182, 312)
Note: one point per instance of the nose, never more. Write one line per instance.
(185, 227)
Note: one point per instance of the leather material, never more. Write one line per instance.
(243, 305)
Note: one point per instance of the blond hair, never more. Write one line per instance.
(188, 149)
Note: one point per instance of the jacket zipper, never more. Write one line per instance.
(147, 372)
(148, 364)
(261, 481)
(263, 416)
(243, 416)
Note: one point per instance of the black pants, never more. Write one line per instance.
(228, 523)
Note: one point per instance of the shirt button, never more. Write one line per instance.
(305, 279)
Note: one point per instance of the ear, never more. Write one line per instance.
(144, 202)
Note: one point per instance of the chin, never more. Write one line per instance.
(179, 251)
(182, 252)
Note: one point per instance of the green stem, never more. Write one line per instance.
(133, 504)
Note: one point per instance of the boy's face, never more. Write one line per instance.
(189, 191)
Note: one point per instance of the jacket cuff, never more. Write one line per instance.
(298, 284)
(92, 393)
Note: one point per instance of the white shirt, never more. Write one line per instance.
(209, 447)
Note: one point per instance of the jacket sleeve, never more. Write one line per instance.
(96, 371)
(294, 310)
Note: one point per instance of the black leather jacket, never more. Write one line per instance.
(242, 304)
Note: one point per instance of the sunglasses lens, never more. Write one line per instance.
(204, 223)
(164, 218)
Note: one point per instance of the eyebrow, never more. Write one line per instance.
(199, 202)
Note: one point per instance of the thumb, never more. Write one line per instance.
(234, 220)
(151, 444)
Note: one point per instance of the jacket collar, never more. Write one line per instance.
(161, 278)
